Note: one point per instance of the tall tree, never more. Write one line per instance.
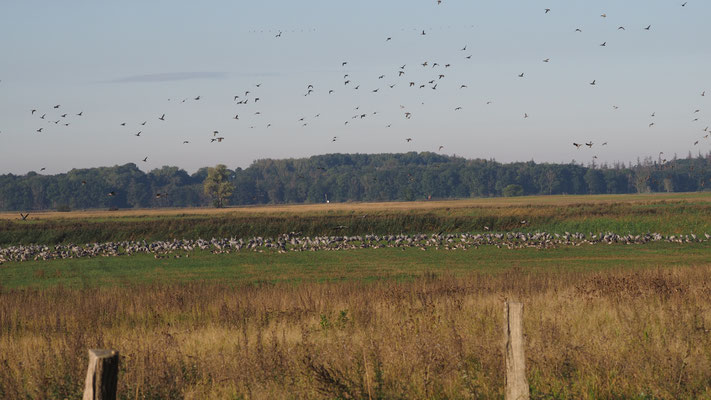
(218, 186)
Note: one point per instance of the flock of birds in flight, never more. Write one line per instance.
(437, 72)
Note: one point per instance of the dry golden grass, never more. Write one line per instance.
(311, 209)
(622, 334)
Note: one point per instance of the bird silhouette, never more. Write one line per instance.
(162, 117)
(145, 159)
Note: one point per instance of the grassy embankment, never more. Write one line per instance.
(670, 214)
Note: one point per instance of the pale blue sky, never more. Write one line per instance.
(121, 62)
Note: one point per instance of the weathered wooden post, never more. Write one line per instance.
(516, 382)
(102, 375)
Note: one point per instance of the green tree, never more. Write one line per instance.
(513, 190)
(218, 186)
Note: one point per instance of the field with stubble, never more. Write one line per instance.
(600, 321)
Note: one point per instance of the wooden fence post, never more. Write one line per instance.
(102, 375)
(516, 382)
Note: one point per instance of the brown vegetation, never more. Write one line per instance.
(623, 334)
(400, 206)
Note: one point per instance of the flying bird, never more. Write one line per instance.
(145, 159)
(162, 117)
(547, 10)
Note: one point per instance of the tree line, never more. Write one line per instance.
(344, 177)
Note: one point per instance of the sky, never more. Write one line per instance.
(133, 61)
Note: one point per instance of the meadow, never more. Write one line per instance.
(600, 321)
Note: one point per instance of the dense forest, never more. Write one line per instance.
(347, 177)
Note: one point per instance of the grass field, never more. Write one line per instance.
(250, 268)
(601, 321)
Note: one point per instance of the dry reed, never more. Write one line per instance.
(620, 334)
